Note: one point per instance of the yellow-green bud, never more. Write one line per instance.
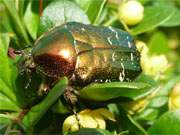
(174, 98)
(131, 12)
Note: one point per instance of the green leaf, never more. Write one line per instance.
(167, 124)
(129, 124)
(10, 4)
(92, 5)
(5, 25)
(90, 131)
(5, 119)
(146, 79)
(59, 12)
(31, 19)
(108, 91)
(4, 42)
(153, 17)
(59, 107)
(148, 114)
(174, 20)
(5, 70)
(20, 7)
(158, 44)
(158, 101)
(168, 86)
(37, 111)
(137, 125)
(7, 104)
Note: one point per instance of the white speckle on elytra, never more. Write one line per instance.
(98, 80)
(120, 77)
(129, 44)
(83, 29)
(116, 33)
(132, 57)
(122, 74)
(74, 42)
(113, 56)
(109, 40)
(107, 80)
(65, 26)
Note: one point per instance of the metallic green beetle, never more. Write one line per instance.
(87, 53)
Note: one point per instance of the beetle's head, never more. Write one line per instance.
(54, 54)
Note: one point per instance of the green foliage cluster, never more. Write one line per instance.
(23, 21)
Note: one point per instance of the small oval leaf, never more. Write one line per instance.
(108, 91)
(59, 12)
(174, 20)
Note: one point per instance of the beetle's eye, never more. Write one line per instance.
(65, 53)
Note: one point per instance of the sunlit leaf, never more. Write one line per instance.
(5, 70)
(31, 18)
(5, 25)
(92, 5)
(16, 19)
(7, 104)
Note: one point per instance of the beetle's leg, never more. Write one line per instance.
(45, 86)
(70, 96)
(28, 68)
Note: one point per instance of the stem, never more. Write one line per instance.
(112, 20)
(137, 125)
(40, 7)
(8, 129)
(125, 26)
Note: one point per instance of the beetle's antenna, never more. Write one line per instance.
(22, 50)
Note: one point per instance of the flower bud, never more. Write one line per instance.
(174, 98)
(151, 64)
(88, 119)
(131, 12)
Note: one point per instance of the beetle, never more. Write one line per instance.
(86, 53)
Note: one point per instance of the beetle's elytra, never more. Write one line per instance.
(86, 53)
